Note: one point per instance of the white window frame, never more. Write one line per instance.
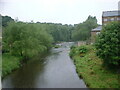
(118, 18)
(97, 33)
(112, 19)
(105, 19)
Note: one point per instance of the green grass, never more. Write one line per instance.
(90, 68)
(9, 63)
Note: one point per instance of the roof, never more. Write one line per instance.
(99, 28)
(111, 13)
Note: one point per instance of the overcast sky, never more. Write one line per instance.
(56, 11)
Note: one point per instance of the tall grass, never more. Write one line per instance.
(9, 63)
(90, 68)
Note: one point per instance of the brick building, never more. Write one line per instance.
(110, 16)
(107, 17)
(94, 32)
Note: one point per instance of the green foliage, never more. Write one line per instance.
(73, 51)
(108, 44)
(9, 63)
(82, 31)
(90, 69)
(5, 20)
(81, 50)
(73, 47)
(58, 31)
(25, 39)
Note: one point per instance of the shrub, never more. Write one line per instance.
(25, 39)
(108, 44)
(82, 49)
(9, 63)
(72, 51)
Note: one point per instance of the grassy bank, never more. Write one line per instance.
(9, 63)
(90, 68)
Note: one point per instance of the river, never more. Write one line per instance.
(57, 70)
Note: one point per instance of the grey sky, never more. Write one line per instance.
(56, 11)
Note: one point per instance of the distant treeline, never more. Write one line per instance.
(59, 32)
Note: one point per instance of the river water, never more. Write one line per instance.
(57, 70)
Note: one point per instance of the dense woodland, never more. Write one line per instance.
(82, 31)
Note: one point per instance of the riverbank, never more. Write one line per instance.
(10, 63)
(89, 67)
(56, 70)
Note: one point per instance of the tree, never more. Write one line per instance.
(5, 20)
(25, 39)
(82, 31)
(108, 44)
(59, 32)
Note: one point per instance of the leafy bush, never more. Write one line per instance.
(72, 51)
(82, 49)
(73, 47)
(9, 63)
(25, 39)
(90, 69)
(108, 44)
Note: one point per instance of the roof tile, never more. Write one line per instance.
(111, 13)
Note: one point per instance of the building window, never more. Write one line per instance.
(112, 19)
(105, 24)
(97, 33)
(118, 18)
(105, 19)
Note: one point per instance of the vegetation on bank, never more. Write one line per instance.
(10, 63)
(108, 44)
(90, 67)
(82, 31)
(24, 40)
